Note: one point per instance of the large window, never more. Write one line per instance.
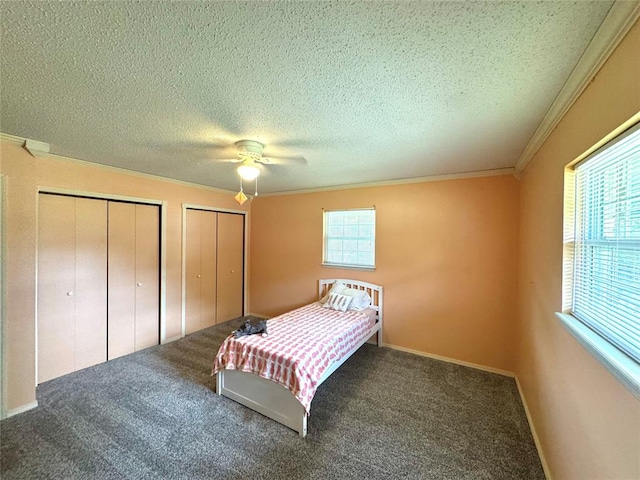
(602, 245)
(350, 238)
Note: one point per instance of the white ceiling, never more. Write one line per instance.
(365, 91)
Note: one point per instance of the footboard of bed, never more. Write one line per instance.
(264, 396)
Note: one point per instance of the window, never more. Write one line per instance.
(349, 238)
(602, 254)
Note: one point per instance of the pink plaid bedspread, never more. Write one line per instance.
(300, 346)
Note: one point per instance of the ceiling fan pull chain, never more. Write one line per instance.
(240, 197)
(256, 187)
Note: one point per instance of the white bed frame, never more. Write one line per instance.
(277, 402)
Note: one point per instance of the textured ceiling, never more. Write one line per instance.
(365, 91)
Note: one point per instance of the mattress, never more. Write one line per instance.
(299, 348)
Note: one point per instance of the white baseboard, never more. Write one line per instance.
(259, 315)
(545, 465)
(22, 409)
(172, 339)
(452, 360)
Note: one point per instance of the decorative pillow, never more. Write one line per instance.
(361, 298)
(337, 287)
(338, 302)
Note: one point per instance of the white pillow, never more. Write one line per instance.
(338, 302)
(365, 302)
(337, 287)
(361, 298)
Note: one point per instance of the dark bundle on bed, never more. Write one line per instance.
(249, 329)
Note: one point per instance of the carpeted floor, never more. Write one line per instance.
(384, 414)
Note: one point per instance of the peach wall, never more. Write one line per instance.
(24, 174)
(588, 424)
(446, 257)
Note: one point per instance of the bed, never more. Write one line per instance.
(278, 375)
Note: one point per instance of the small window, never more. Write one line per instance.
(601, 281)
(349, 238)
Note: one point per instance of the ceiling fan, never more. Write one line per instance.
(249, 154)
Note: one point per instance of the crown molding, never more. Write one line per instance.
(400, 181)
(621, 17)
(34, 147)
(5, 137)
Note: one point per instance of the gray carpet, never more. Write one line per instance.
(383, 415)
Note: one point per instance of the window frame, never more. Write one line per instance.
(620, 364)
(325, 240)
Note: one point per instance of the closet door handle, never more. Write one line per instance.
(69, 294)
(139, 284)
(198, 276)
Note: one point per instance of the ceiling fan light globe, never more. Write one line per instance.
(248, 172)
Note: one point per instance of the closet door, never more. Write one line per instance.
(56, 286)
(200, 273)
(133, 319)
(91, 282)
(192, 270)
(230, 266)
(122, 279)
(72, 272)
(208, 265)
(147, 310)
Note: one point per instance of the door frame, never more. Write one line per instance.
(245, 255)
(117, 198)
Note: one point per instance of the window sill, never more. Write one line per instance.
(619, 364)
(348, 267)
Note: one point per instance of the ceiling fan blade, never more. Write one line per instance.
(226, 160)
(264, 171)
(222, 153)
(314, 143)
(193, 149)
(220, 142)
(283, 160)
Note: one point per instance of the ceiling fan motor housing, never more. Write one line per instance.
(250, 149)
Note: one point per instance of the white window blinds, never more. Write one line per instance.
(350, 238)
(606, 249)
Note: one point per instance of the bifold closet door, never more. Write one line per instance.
(200, 271)
(133, 300)
(230, 266)
(72, 284)
(91, 282)
(147, 333)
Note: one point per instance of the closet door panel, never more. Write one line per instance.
(147, 267)
(192, 270)
(122, 279)
(208, 264)
(56, 286)
(91, 283)
(230, 266)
